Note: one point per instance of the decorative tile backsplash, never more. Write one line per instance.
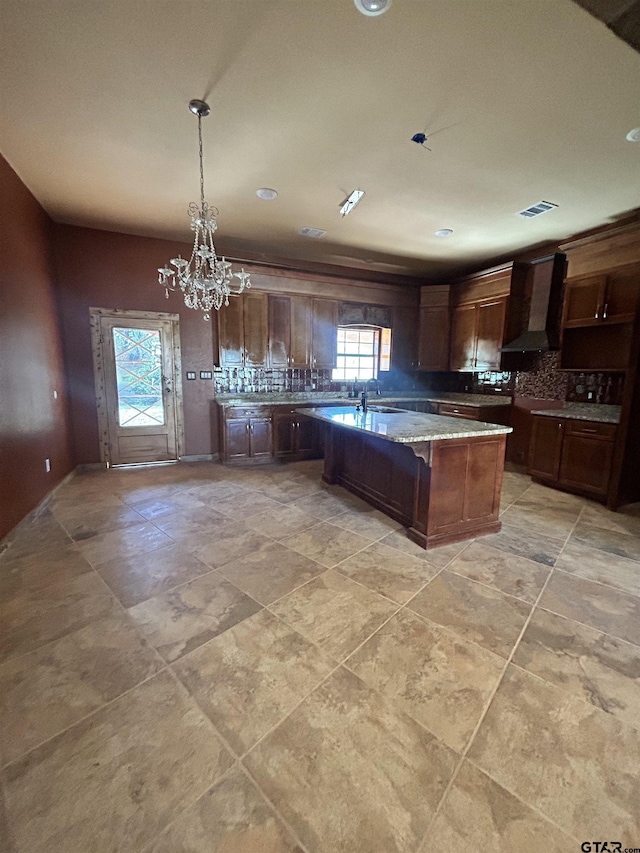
(243, 380)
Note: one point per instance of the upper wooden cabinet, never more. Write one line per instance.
(242, 331)
(608, 298)
(404, 338)
(433, 336)
(324, 332)
(289, 331)
(486, 311)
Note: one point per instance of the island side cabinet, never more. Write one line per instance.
(246, 435)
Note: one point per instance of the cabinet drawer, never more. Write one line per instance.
(247, 412)
(453, 411)
(591, 429)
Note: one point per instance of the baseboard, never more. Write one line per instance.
(200, 457)
(90, 466)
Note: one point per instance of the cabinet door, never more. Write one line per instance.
(463, 337)
(231, 333)
(255, 329)
(404, 339)
(279, 331)
(583, 301)
(546, 447)
(306, 436)
(285, 435)
(260, 437)
(433, 343)
(586, 464)
(301, 333)
(325, 331)
(237, 439)
(490, 322)
(621, 297)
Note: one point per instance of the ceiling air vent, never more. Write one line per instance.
(537, 209)
(312, 232)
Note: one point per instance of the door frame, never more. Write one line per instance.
(95, 316)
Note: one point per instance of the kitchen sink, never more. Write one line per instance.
(385, 410)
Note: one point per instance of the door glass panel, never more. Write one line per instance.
(138, 355)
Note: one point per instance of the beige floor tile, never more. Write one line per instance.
(232, 817)
(598, 606)
(621, 522)
(501, 570)
(37, 571)
(281, 522)
(136, 578)
(334, 612)
(288, 490)
(233, 540)
(482, 615)
(271, 572)
(440, 680)
(42, 535)
(599, 668)
(36, 617)
(327, 544)
(193, 530)
(85, 524)
(350, 773)
(546, 522)
(324, 504)
(373, 524)
(478, 815)
(621, 544)
(438, 557)
(180, 502)
(388, 571)
(245, 504)
(113, 782)
(179, 621)
(247, 679)
(526, 543)
(571, 761)
(122, 543)
(600, 566)
(45, 691)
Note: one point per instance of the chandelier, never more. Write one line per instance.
(205, 279)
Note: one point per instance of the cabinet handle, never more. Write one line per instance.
(588, 430)
(606, 311)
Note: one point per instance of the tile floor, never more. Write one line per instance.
(195, 658)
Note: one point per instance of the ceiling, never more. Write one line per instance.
(522, 101)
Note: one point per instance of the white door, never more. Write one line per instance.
(139, 380)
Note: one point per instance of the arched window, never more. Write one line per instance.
(363, 351)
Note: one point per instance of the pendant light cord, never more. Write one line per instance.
(201, 166)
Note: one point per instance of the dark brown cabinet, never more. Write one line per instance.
(324, 332)
(610, 298)
(295, 436)
(463, 338)
(243, 331)
(477, 333)
(575, 454)
(433, 336)
(404, 339)
(246, 435)
(290, 335)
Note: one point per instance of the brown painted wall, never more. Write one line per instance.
(33, 426)
(102, 269)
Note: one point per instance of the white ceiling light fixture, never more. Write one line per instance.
(371, 8)
(205, 280)
(351, 201)
(267, 193)
(634, 135)
(444, 232)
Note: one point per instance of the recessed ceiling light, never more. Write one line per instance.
(373, 7)
(444, 232)
(634, 135)
(266, 193)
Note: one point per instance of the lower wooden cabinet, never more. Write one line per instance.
(295, 436)
(576, 455)
(246, 434)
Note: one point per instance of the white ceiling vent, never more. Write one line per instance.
(537, 209)
(312, 232)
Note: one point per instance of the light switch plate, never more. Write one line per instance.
(206, 374)
(191, 374)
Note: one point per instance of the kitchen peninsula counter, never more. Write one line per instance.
(440, 477)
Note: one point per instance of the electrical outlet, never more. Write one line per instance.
(55, 395)
(590, 395)
(47, 465)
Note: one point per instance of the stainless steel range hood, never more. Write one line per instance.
(544, 292)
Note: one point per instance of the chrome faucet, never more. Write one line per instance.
(363, 401)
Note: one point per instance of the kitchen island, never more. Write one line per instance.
(439, 476)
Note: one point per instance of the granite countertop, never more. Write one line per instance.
(338, 398)
(405, 427)
(599, 412)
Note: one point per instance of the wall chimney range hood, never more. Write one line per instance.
(544, 293)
